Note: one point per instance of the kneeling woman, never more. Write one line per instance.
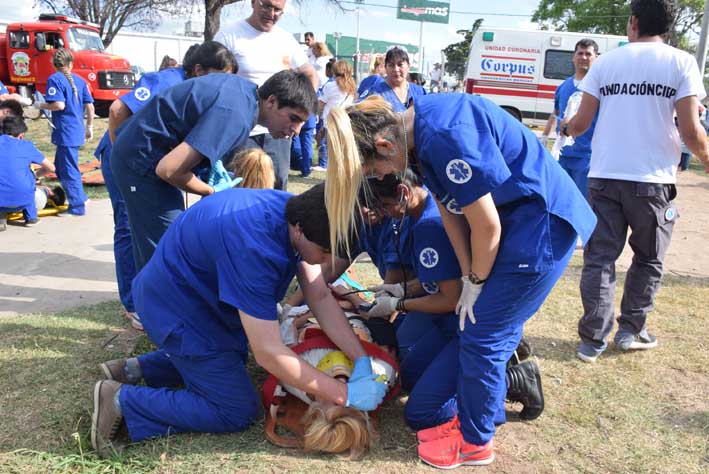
(511, 213)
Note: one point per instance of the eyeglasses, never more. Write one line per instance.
(267, 6)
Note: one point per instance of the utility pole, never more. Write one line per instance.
(357, 52)
(702, 46)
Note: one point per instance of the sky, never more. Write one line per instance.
(377, 20)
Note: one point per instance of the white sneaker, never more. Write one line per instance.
(134, 319)
(318, 168)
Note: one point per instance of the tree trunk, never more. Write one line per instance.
(212, 12)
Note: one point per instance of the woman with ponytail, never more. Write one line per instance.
(512, 216)
(68, 98)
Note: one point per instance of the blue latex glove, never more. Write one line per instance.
(362, 368)
(366, 393)
(217, 174)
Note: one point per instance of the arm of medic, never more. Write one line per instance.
(176, 169)
(442, 302)
(363, 393)
(583, 119)
(117, 114)
(330, 275)
(475, 237)
(690, 129)
(90, 110)
(46, 167)
(550, 125)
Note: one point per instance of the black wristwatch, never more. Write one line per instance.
(400, 306)
(565, 129)
(475, 280)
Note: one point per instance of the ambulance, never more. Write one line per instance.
(520, 70)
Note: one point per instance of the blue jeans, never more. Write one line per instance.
(322, 148)
(66, 160)
(122, 241)
(302, 147)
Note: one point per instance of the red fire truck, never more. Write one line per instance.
(26, 51)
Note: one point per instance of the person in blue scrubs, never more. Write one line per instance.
(17, 182)
(188, 128)
(395, 88)
(212, 288)
(68, 97)
(427, 338)
(511, 214)
(198, 60)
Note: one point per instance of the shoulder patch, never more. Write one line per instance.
(459, 171)
(142, 94)
(51, 91)
(428, 257)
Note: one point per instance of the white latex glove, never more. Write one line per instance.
(388, 289)
(283, 313)
(36, 105)
(544, 139)
(467, 300)
(25, 101)
(383, 307)
(90, 133)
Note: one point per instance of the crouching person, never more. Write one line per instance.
(212, 287)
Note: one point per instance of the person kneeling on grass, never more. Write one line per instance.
(212, 287)
(17, 182)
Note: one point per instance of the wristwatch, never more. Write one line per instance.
(475, 280)
(565, 129)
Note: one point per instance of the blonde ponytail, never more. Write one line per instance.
(343, 180)
(61, 60)
(351, 142)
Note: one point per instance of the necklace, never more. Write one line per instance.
(406, 142)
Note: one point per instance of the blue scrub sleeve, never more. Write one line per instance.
(141, 93)
(54, 90)
(86, 97)
(468, 163)
(435, 257)
(3, 89)
(219, 131)
(35, 155)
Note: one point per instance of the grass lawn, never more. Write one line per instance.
(629, 413)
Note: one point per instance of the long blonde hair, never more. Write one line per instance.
(320, 49)
(336, 429)
(342, 72)
(61, 60)
(351, 135)
(256, 168)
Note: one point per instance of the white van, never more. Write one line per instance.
(520, 70)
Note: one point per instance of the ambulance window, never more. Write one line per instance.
(19, 39)
(557, 64)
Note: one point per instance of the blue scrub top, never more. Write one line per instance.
(383, 89)
(230, 251)
(582, 144)
(468, 147)
(213, 114)
(17, 182)
(434, 257)
(379, 241)
(147, 87)
(68, 123)
(3, 89)
(150, 85)
(368, 83)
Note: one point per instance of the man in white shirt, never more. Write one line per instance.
(309, 39)
(262, 49)
(636, 89)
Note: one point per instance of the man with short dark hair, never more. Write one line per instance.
(575, 158)
(209, 293)
(262, 49)
(309, 40)
(636, 89)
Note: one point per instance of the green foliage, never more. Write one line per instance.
(611, 17)
(457, 53)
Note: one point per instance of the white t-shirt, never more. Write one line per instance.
(320, 65)
(637, 85)
(261, 54)
(332, 96)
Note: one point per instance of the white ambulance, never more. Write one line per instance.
(520, 70)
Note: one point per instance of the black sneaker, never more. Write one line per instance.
(523, 351)
(524, 385)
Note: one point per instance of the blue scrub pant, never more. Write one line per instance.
(302, 147)
(420, 337)
(218, 396)
(122, 241)
(29, 212)
(66, 161)
(152, 205)
(468, 376)
(578, 169)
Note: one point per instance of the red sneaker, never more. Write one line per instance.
(453, 451)
(438, 432)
